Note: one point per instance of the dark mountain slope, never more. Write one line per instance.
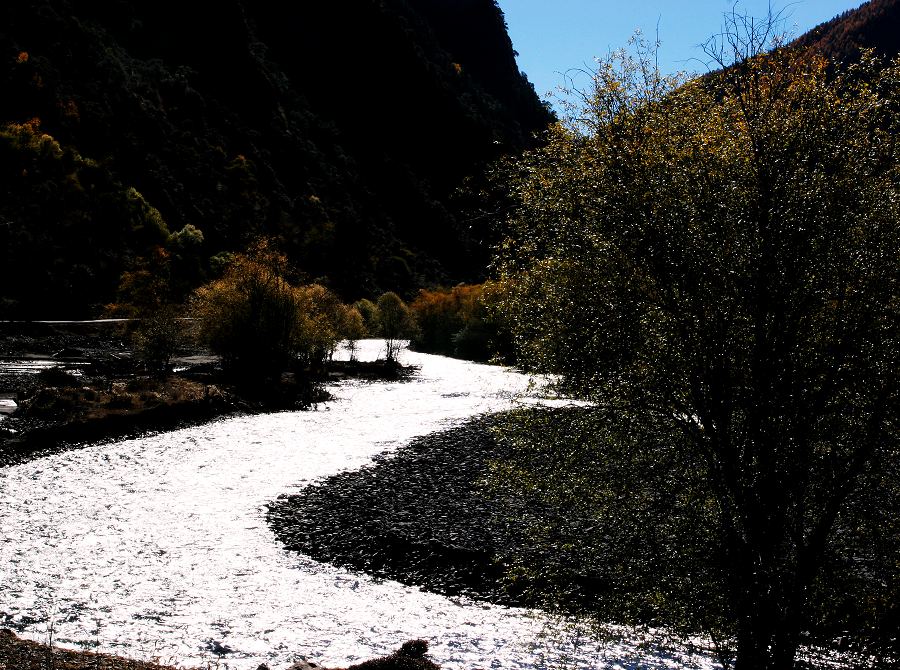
(340, 127)
(873, 25)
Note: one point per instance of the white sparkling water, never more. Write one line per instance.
(158, 547)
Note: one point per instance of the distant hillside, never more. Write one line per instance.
(874, 25)
(342, 129)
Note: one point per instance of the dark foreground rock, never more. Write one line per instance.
(19, 654)
(418, 516)
(411, 656)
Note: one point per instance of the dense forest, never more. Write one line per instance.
(159, 135)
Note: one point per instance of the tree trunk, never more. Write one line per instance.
(768, 598)
(764, 646)
(754, 639)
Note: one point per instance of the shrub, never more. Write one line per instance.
(353, 329)
(456, 322)
(321, 317)
(368, 310)
(258, 323)
(158, 338)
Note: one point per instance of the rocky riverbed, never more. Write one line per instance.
(427, 515)
(74, 383)
(418, 516)
(162, 542)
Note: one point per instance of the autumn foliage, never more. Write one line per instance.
(262, 325)
(457, 322)
(871, 25)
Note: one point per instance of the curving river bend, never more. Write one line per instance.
(158, 547)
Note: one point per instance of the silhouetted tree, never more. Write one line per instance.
(395, 323)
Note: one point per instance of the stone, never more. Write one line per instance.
(410, 656)
(303, 664)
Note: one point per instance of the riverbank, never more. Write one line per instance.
(65, 384)
(19, 654)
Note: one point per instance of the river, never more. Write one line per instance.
(158, 547)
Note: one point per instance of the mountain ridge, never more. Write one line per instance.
(873, 25)
(157, 137)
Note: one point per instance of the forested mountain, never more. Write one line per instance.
(156, 134)
(873, 25)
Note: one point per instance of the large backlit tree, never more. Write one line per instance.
(715, 263)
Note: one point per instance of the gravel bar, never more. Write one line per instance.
(417, 516)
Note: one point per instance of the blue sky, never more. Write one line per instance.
(553, 36)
